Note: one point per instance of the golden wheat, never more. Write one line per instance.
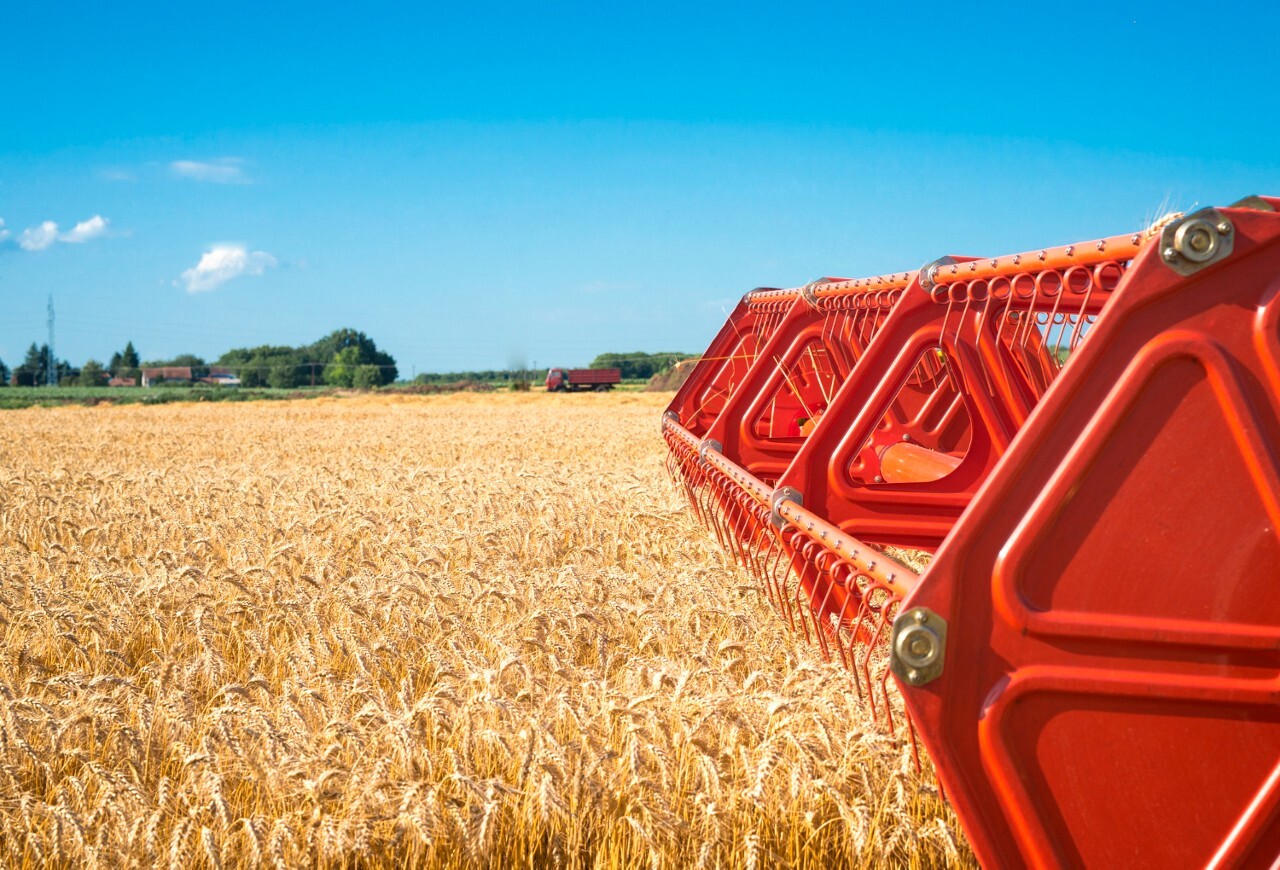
(446, 631)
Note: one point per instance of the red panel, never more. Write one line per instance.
(1112, 693)
(1116, 765)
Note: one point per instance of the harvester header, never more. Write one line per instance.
(1087, 439)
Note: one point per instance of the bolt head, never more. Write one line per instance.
(1197, 240)
(914, 677)
(1224, 228)
(879, 479)
(920, 616)
(917, 646)
(1169, 254)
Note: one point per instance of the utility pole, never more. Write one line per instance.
(51, 373)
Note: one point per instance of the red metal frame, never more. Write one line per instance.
(1106, 530)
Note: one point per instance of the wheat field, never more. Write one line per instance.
(438, 631)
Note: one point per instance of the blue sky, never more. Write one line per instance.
(481, 185)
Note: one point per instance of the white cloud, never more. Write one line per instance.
(38, 238)
(42, 237)
(4, 234)
(224, 170)
(222, 263)
(86, 230)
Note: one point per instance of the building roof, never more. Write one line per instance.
(168, 373)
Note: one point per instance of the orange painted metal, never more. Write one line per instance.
(1089, 438)
(905, 462)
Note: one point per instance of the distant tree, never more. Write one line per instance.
(342, 369)
(125, 363)
(283, 377)
(639, 364)
(254, 365)
(365, 377)
(4, 374)
(31, 370)
(37, 365)
(182, 359)
(290, 367)
(326, 350)
(91, 374)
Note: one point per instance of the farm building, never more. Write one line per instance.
(166, 374)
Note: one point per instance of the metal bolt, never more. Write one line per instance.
(906, 437)
(879, 479)
(1195, 240)
(1225, 228)
(914, 678)
(920, 616)
(918, 646)
(1169, 254)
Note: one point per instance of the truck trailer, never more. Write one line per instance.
(576, 380)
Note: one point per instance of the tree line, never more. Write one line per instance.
(640, 364)
(343, 358)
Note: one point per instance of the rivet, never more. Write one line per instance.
(1169, 254)
(914, 677)
(920, 616)
(1225, 228)
(879, 479)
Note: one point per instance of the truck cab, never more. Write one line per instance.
(556, 380)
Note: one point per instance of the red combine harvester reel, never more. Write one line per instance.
(1088, 439)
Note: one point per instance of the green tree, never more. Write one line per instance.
(283, 376)
(342, 369)
(125, 363)
(4, 374)
(36, 366)
(365, 377)
(325, 351)
(254, 366)
(639, 364)
(91, 374)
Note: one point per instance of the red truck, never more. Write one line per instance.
(573, 380)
